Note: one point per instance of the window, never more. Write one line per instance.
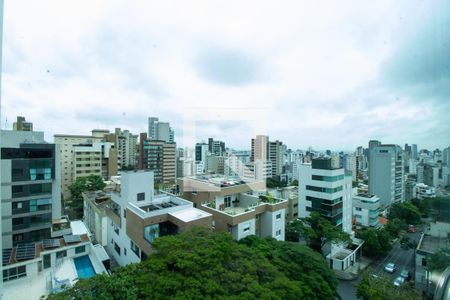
(134, 248)
(116, 229)
(358, 208)
(278, 233)
(140, 196)
(246, 227)
(47, 261)
(61, 254)
(117, 248)
(80, 249)
(125, 251)
(278, 217)
(14, 273)
(17, 205)
(227, 201)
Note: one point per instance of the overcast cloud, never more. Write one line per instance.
(326, 74)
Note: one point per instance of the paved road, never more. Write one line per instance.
(403, 259)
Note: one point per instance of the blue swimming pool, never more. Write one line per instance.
(84, 267)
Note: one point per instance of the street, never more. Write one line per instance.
(402, 258)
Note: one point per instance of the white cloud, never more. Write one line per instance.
(70, 66)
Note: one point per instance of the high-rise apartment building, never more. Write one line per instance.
(30, 192)
(386, 174)
(265, 150)
(216, 147)
(324, 188)
(84, 155)
(160, 131)
(159, 157)
(126, 145)
(259, 148)
(22, 125)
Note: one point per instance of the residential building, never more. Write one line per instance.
(1, 59)
(98, 158)
(84, 155)
(160, 131)
(366, 209)
(290, 193)
(259, 148)
(159, 157)
(325, 188)
(215, 164)
(386, 174)
(428, 173)
(240, 208)
(201, 152)
(216, 147)
(275, 156)
(94, 214)
(429, 243)
(32, 270)
(30, 193)
(349, 164)
(126, 145)
(422, 190)
(137, 216)
(22, 125)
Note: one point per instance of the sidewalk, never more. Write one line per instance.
(352, 272)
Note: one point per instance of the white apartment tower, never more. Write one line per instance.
(386, 174)
(324, 188)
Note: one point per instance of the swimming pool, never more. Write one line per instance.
(84, 266)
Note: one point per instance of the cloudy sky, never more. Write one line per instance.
(326, 74)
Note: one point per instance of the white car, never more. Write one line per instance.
(390, 267)
(399, 281)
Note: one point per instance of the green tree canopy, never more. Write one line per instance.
(294, 182)
(83, 184)
(405, 211)
(376, 241)
(439, 260)
(200, 264)
(382, 288)
(394, 226)
(316, 230)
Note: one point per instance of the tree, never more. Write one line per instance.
(200, 264)
(381, 288)
(439, 260)
(405, 211)
(394, 226)
(275, 183)
(317, 231)
(83, 184)
(377, 242)
(294, 183)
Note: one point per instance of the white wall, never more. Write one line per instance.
(270, 224)
(238, 231)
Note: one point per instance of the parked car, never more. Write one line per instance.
(399, 281)
(412, 228)
(390, 268)
(405, 274)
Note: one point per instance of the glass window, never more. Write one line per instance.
(117, 248)
(227, 201)
(61, 254)
(47, 261)
(140, 196)
(278, 217)
(80, 249)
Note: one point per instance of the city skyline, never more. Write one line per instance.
(368, 71)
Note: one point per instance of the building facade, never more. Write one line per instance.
(30, 193)
(324, 188)
(240, 208)
(386, 174)
(366, 209)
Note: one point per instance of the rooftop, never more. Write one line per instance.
(365, 195)
(190, 214)
(218, 180)
(432, 244)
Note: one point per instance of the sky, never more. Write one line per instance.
(325, 74)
